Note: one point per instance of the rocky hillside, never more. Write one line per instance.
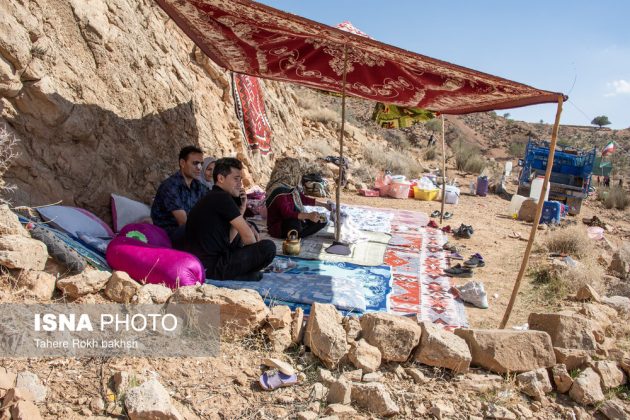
(101, 96)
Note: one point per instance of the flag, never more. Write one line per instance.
(609, 149)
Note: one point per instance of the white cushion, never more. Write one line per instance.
(126, 210)
(73, 220)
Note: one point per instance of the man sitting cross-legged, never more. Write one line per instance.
(217, 233)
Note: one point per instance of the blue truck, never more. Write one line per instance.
(570, 176)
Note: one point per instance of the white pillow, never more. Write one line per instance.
(126, 210)
(73, 220)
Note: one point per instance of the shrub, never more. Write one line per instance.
(517, 147)
(571, 240)
(468, 158)
(434, 125)
(615, 197)
(397, 139)
(321, 148)
(430, 153)
(322, 115)
(393, 160)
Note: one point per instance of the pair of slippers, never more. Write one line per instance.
(437, 213)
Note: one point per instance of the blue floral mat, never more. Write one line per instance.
(352, 288)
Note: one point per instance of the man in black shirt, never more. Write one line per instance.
(219, 236)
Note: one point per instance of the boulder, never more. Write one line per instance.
(325, 335)
(150, 294)
(7, 379)
(527, 212)
(307, 415)
(341, 411)
(372, 377)
(620, 264)
(10, 224)
(30, 382)
(339, 392)
(25, 410)
(567, 331)
(325, 376)
(374, 398)
(38, 283)
(503, 351)
(150, 401)
(442, 349)
(535, 383)
(417, 375)
(352, 325)
(352, 375)
(495, 411)
(279, 338)
(480, 382)
(442, 410)
(572, 358)
(610, 373)
(602, 315)
(242, 311)
(561, 378)
(395, 336)
(121, 288)
(614, 410)
(297, 326)
(280, 317)
(18, 251)
(587, 293)
(586, 388)
(16, 394)
(89, 281)
(619, 303)
(364, 356)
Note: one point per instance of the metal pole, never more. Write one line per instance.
(343, 123)
(541, 201)
(443, 173)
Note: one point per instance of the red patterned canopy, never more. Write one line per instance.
(251, 38)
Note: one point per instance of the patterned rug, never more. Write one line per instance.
(420, 286)
(250, 110)
(352, 288)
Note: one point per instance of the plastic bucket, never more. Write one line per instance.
(451, 194)
(515, 204)
(536, 189)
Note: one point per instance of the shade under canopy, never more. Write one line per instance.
(251, 38)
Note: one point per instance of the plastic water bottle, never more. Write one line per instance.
(473, 188)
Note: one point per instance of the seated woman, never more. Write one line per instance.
(285, 202)
(207, 168)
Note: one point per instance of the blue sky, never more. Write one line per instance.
(580, 48)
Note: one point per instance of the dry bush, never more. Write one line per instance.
(430, 153)
(397, 139)
(468, 158)
(8, 143)
(321, 148)
(306, 101)
(434, 125)
(323, 115)
(397, 162)
(571, 240)
(615, 197)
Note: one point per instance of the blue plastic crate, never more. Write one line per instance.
(551, 212)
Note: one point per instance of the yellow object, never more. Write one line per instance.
(291, 245)
(426, 195)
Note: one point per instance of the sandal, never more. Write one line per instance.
(447, 229)
(448, 214)
(459, 271)
(452, 247)
(432, 224)
(475, 260)
(455, 256)
(273, 379)
(436, 213)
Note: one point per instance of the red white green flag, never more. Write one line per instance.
(608, 149)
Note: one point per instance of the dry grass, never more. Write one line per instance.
(393, 160)
(468, 157)
(321, 148)
(571, 240)
(615, 197)
(430, 153)
(8, 143)
(323, 115)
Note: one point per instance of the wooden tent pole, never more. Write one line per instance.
(443, 173)
(343, 123)
(539, 206)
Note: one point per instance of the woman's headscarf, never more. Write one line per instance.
(202, 177)
(285, 179)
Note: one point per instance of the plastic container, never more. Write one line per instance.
(508, 168)
(426, 195)
(515, 204)
(536, 188)
(399, 189)
(551, 212)
(451, 194)
(369, 193)
(482, 186)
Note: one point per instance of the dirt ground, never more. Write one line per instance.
(503, 255)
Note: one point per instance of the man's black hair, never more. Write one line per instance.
(224, 166)
(186, 150)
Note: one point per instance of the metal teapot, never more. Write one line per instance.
(291, 245)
